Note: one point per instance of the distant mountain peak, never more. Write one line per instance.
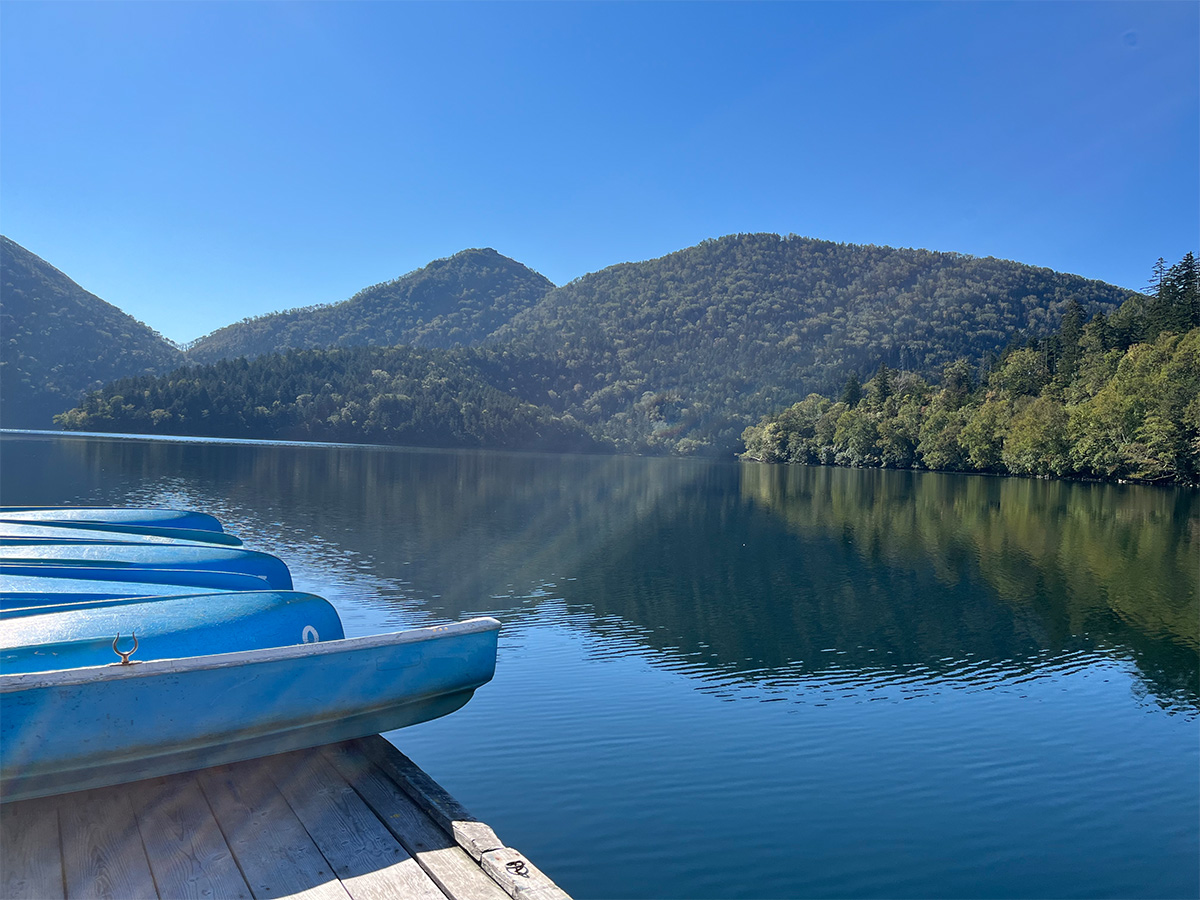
(458, 300)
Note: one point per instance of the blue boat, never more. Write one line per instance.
(78, 595)
(117, 581)
(22, 607)
(198, 558)
(166, 627)
(15, 529)
(212, 676)
(154, 517)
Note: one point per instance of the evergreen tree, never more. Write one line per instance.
(852, 392)
(1157, 275)
(879, 388)
(1069, 334)
(957, 382)
(1188, 287)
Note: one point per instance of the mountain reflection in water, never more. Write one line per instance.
(866, 578)
(755, 580)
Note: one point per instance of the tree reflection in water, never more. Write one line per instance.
(735, 573)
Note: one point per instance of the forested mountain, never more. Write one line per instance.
(465, 397)
(1114, 397)
(678, 354)
(672, 355)
(57, 340)
(451, 302)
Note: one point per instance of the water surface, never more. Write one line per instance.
(731, 680)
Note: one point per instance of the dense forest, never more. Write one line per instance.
(58, 340)
(1116, 396)
(679, 354)
(398, 395)
(451, 302)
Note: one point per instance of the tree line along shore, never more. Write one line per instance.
(1112, 398)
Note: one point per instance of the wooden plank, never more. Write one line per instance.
(519, 877)
(186, 850)
(447, 863)
(271, 847)
(472, 835)
(370, 862)
(103, 855)
(30, 851)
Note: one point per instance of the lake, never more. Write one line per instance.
(720, 679)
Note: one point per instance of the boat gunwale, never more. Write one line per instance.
(98, 531)
(147, 514)
(156, 667)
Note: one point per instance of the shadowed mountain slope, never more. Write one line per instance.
(415, 396)
(451, 302)
(57, 340)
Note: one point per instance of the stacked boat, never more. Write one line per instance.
(144, 642)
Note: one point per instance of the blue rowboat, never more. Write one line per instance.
(103, 532)
(160, 518)
(151, 556)
(81, 728)
(216, 676)
(16, 604)
(41, 604)
(24, 594)
(166, 628)
(48, 578)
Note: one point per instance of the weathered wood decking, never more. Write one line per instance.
(353, 820)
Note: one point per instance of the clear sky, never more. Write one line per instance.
(195, 163)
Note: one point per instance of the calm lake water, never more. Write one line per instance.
(728, 680)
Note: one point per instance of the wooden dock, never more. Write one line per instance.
(353, 820)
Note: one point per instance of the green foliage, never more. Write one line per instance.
(983, 436)
(746, 324)
(1036, 443)
(399, 395)
(678, 355)
(451, 302)
(879, 388)
(1145, 421)
(852, 392)
(58, 340)
(940, 447)
(1087, 401)
(1023, 373)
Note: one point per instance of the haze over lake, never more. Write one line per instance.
(722, 679)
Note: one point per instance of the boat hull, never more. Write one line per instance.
(80, 635)
(102, 532)
(29, 587)
(154, 516)
(82, 728)
(160, 557)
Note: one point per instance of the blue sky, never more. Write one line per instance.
(195, 163)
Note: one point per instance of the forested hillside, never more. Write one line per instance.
(679, 354)
(400, 395)
(451, 302)
(673, 355)
(57, 340)
(1114, 397)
